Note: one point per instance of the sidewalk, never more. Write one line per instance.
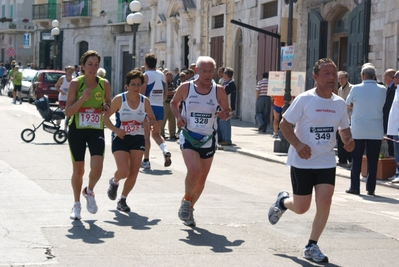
(248, 141)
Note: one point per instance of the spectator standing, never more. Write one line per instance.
(3, 72)
(220, 75)
(263, 103)
(175, 76)
(344, 157)
(168, 115)
(225, 125)
(101, 72)
(317, 115)
(366, 100)
(198, 122)
(389, 82)
(154, 88)
(393, 127)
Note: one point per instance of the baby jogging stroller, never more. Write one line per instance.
(48, 115)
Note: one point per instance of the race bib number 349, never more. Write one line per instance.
(90, 117)
(321, 135)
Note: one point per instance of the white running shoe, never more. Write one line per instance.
(75, 213)
(146, 165)
(396, 180)
(313, 253)
(91, 202)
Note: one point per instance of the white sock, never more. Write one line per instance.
(163, 148)
(88, 191)
(77, 203)
(122, 196)
(113, 181)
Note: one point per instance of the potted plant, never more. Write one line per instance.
(9, 19)
(12, 25)
(386, 165)
(25, 20)
(3, 19)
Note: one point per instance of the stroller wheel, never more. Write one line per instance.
(28, 135)
(60, 136)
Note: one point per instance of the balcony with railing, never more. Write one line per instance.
(73, 9)
(18, 25)
(43, 14)
(76, 11)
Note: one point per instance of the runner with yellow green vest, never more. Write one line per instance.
(17, 82)
(88, 98)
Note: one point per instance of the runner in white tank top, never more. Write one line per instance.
(201, 98)
(133, 115)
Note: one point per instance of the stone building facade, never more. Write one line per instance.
(178, 31)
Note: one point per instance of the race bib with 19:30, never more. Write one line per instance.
(90, 117)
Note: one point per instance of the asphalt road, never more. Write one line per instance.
(232, 225)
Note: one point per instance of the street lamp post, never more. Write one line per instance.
(134, 19)
(287, 92)
(55, 32)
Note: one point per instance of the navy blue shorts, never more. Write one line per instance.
(129, 142)
(204, 153)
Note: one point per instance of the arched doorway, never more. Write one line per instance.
(339, 40)
(83, 48)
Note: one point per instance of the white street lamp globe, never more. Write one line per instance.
(137, 18)
(129, 19)
(135, 6)
(55, 23)
(55, 31)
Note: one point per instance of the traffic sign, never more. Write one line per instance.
(277, 83)
(10, 52)
(287, 57)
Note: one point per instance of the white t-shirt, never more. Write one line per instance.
(393, 119)
(316, 121)
(368, 99)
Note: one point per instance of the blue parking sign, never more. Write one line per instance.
(27, 40)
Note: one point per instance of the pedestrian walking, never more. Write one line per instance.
(88, 97)
(317, 115)
(133, 114)
(263, 103)
(62, 87)
(197, 138)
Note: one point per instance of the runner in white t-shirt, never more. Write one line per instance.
(317, 114)
(62, 87)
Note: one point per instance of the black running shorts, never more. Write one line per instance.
(79, 139)
(303, 180)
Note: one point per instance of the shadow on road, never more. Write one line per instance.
(306, 263)
(380, 199)
(202, 237)
(93, 235)
(156, 172)
(132, 219)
